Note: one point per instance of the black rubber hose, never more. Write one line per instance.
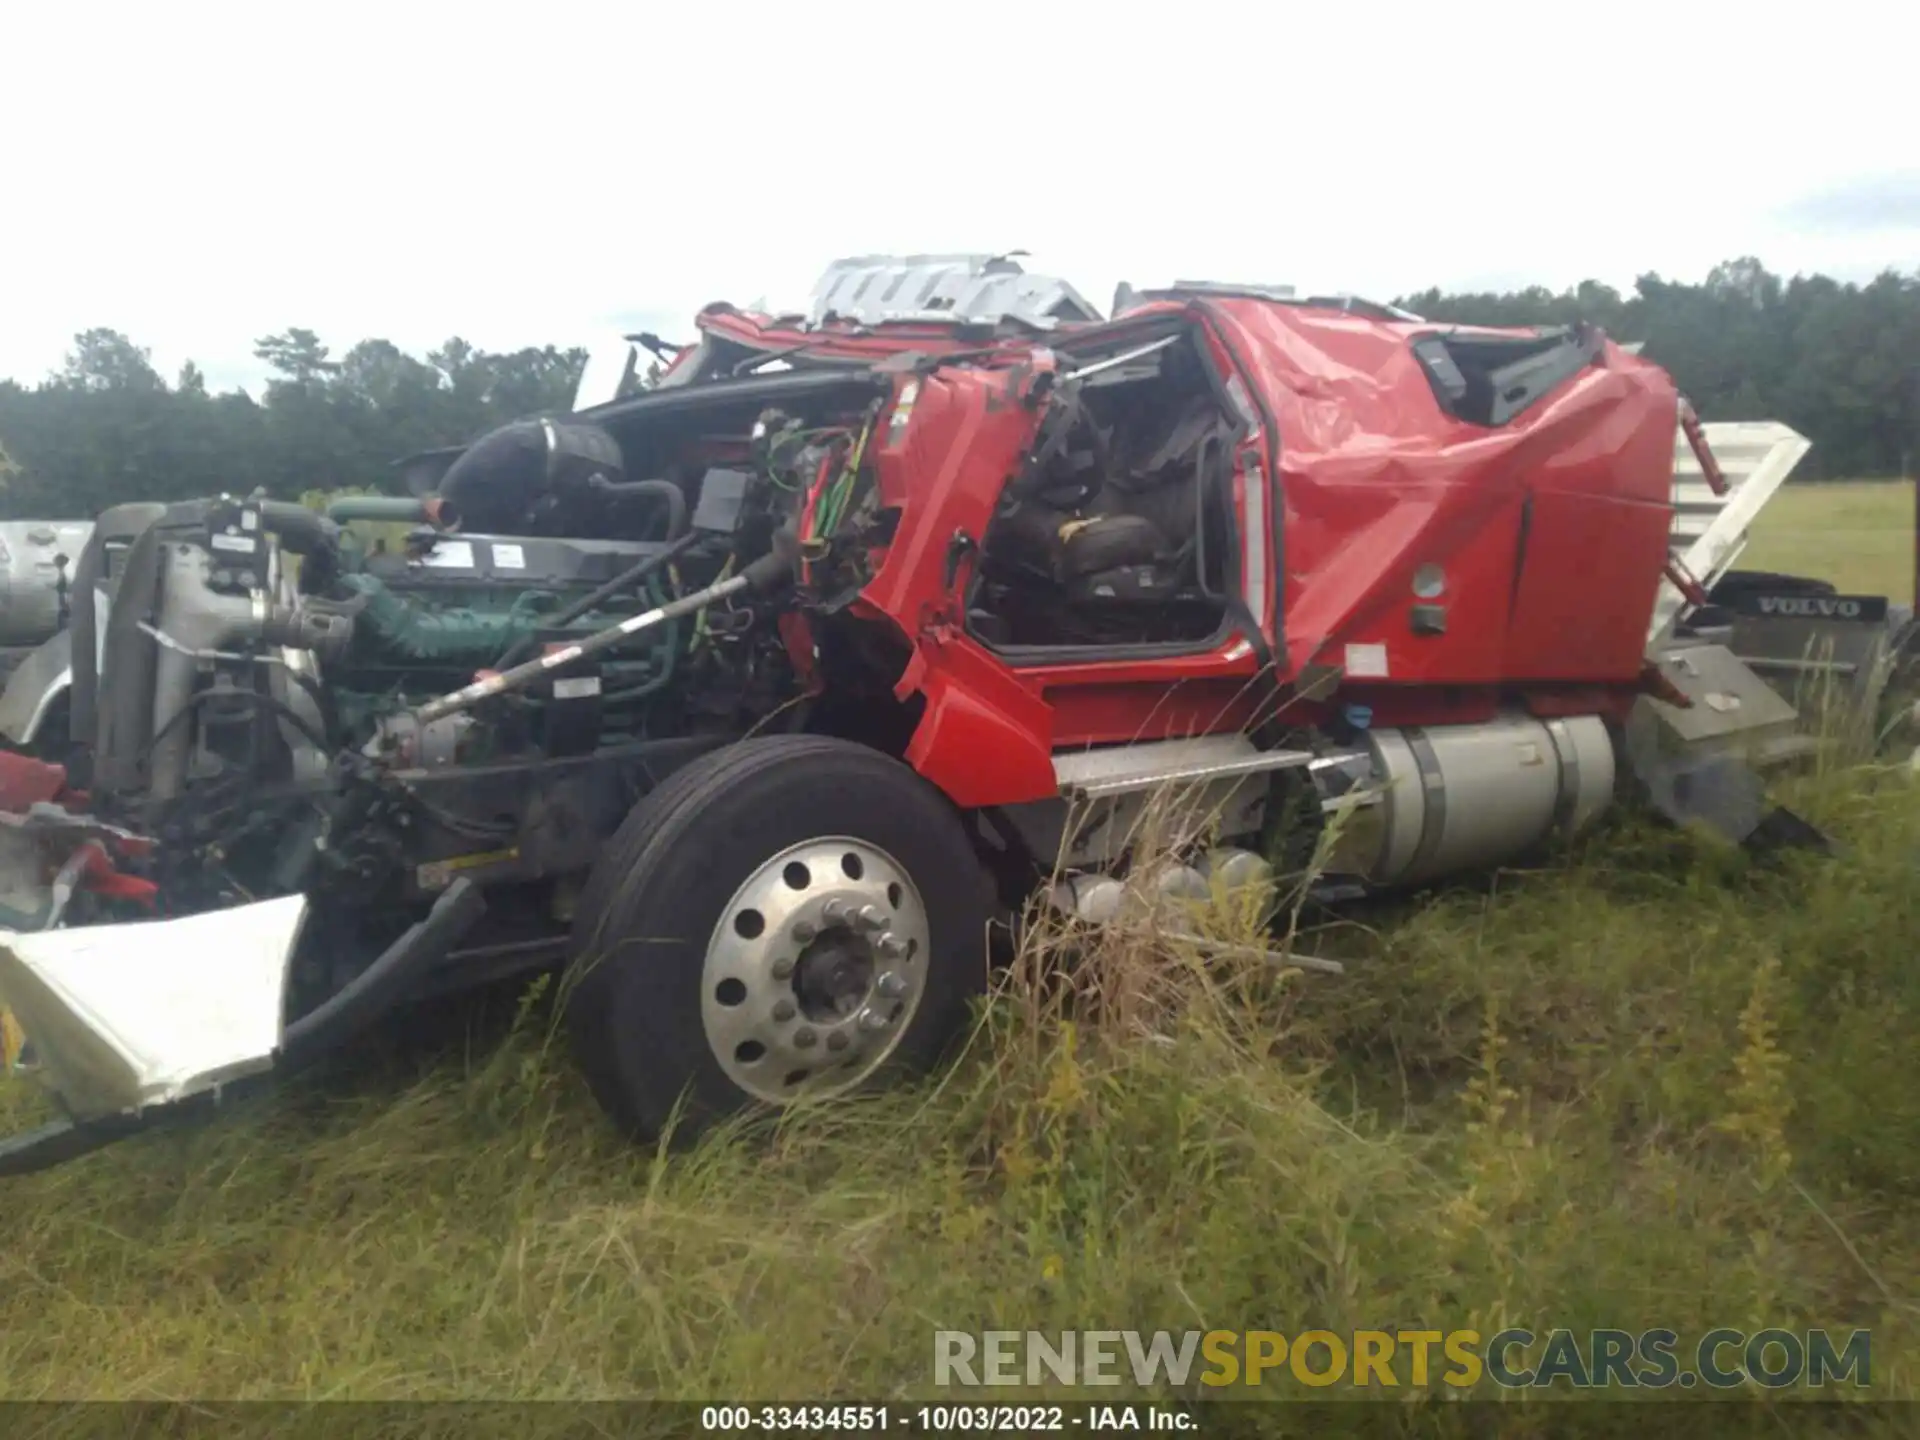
(60, 1141)
(302, 531)
(626, 579)
(383, 983)
(780, 565)
(666, 490)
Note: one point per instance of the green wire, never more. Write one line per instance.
(842, 489)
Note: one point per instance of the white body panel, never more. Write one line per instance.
(126, 1016)
(1709, 530)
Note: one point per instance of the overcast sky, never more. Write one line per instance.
(200, 174)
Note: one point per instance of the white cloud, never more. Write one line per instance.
(204, 173)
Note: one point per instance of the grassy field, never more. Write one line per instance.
(1649, 1085)
(1858, 534)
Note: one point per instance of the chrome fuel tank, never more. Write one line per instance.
(1447, 799)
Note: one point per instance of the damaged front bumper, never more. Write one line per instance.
(133, 1024)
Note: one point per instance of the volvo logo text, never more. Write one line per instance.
(1798, 605)
(1811, 607)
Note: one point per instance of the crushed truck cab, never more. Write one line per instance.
(748, 699)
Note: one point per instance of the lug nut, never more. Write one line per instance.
(784, 1010)
(891, 985)
(874, 1020)
(833, 912)
(891, 946)
(869, 918)
(804, 1039)
(782, 969)
(836, 1041)
(804, 930)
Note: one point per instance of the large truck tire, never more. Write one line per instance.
(785, 919)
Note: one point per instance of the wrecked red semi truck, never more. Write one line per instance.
(752, 698)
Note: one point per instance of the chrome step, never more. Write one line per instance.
(1128, 769)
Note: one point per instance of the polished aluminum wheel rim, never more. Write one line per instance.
(814, 970)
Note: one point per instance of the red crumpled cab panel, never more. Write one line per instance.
(1420, 548)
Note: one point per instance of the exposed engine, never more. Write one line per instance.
(271, 702)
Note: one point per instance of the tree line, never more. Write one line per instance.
(108, 427)
(1840, 362)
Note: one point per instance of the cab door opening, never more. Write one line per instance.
(1118, 530)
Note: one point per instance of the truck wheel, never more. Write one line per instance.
(785, 918)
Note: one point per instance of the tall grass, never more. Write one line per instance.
(1651, 1084)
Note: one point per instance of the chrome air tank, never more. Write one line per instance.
(1452, 798)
